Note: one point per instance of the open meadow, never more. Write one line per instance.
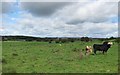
(44, 57)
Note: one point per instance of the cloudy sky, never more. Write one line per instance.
(92, 18)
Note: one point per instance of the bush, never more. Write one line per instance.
(63, 41)
(117, 40)
(57, 41)
(86, 39)
(15, 54)
(50, 41)
(4, 61)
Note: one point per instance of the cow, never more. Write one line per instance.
(88, 50)
(60, 44)
(102, 47)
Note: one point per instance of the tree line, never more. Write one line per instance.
(55, 39)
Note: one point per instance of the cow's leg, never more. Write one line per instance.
(94, 51)
(103, 51)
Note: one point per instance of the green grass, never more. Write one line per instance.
(0, 57)
(42, 57)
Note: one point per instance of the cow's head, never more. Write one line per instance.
(89, 49)
(110, 44)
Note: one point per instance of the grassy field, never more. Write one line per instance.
(0, 56)
(42, 57)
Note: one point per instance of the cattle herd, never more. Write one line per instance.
(98, 47)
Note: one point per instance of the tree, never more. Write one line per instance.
(86, 39)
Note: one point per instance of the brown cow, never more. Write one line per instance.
(88, 50)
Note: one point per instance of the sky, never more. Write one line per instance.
(65, 18)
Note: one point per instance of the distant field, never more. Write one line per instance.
(44, 57)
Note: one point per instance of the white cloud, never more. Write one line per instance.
(75, 20)
(90, 12)
(30, 25)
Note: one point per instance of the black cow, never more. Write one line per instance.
(101, 47)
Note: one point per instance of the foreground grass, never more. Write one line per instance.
(42, 57)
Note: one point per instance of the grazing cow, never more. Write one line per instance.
(102, 47)
(60, 45)
(88, 50)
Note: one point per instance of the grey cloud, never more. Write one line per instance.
(6, 7)
(78, 21)
(43, 8)
(74, 22)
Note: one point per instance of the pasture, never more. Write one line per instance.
(44, 57)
